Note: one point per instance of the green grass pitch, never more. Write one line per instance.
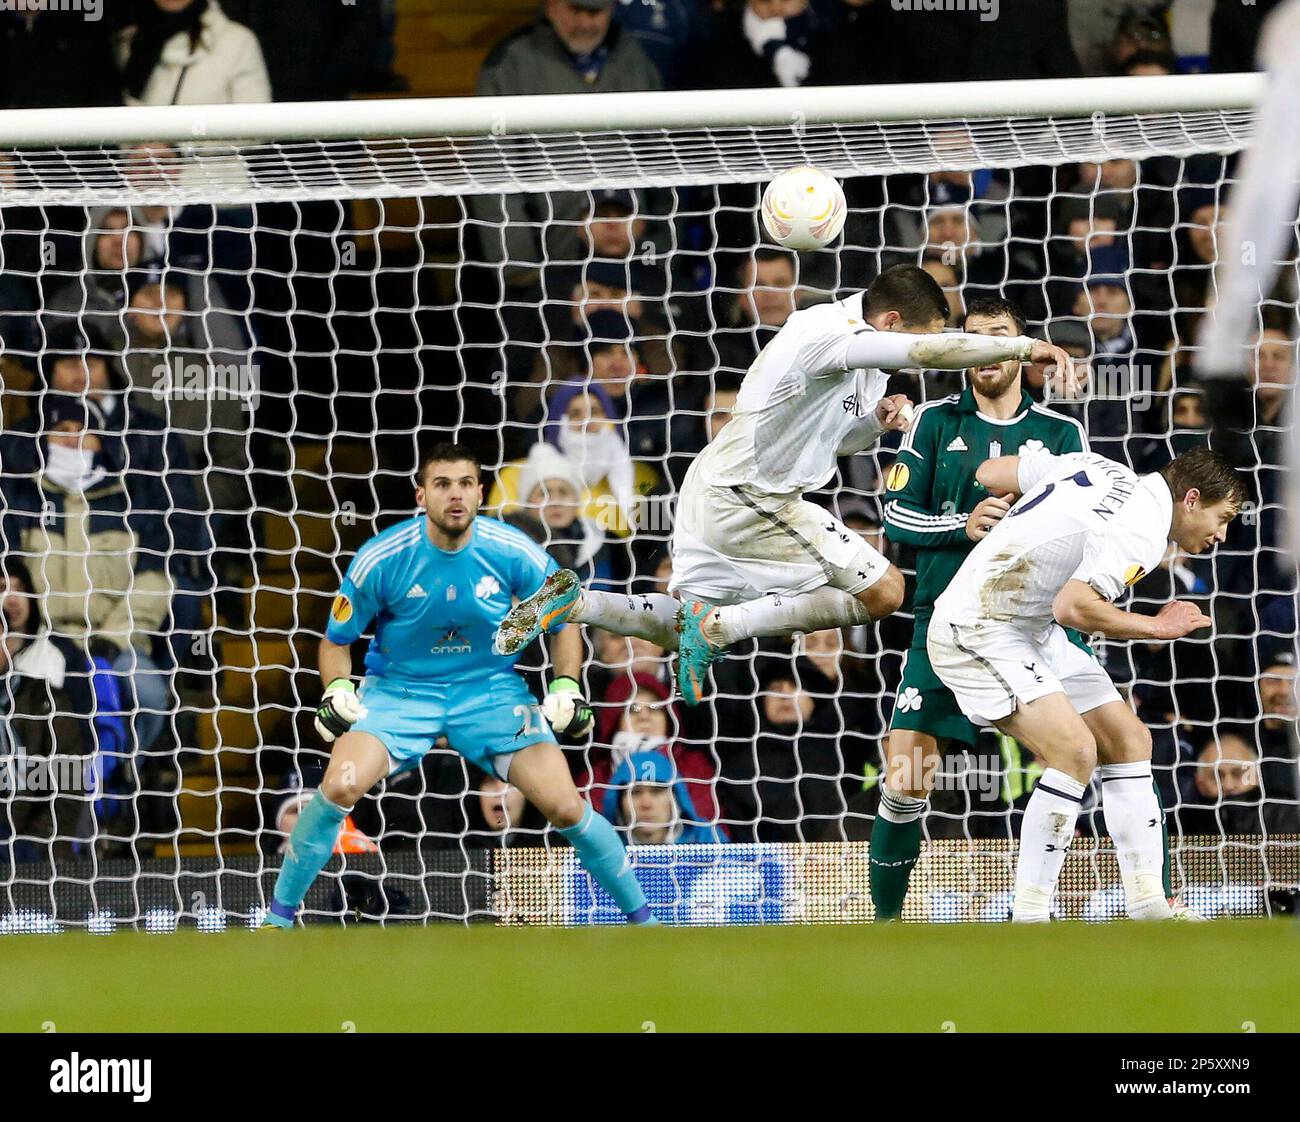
(1213, 977)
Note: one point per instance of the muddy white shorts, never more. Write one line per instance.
(732, 544)
(991, 668)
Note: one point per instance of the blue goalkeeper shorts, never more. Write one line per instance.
(487, 720)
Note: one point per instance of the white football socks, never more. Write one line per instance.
(782, 616)
(651, 616)
(1045, 835)
(1133, 819)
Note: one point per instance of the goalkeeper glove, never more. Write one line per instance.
(566, 709)
(340, 709)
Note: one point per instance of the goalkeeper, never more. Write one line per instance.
(436, 587)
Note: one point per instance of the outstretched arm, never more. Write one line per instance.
(1081, 606)
(949, 350)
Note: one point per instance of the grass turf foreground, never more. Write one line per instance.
(1212, 977)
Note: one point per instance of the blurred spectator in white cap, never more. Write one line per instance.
(550, 488)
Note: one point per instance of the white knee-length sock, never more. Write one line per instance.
(651, 616)
(1133, 819)
(1045, 835)
(783, 616)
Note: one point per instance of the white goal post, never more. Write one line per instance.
(457, 145)
(355, 267)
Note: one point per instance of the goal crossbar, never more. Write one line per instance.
(454, 146)
(684, 109)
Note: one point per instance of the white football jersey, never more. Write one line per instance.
(1080, 517)
(799, 408)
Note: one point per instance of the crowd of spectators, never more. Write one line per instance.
(607, 45)
(619, 325)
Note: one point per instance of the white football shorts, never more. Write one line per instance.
(732, 544)
(991, 668)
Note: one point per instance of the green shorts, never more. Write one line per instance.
(925, 704)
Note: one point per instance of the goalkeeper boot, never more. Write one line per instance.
(548, 607)
(695, 653)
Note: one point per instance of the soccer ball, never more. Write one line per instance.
(804, 208)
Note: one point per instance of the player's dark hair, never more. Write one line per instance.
(1210, 473)
(445, 452)
(908, 290)
(990, 307)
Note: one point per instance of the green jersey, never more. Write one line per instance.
(931, 488)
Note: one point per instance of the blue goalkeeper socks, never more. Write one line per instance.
(310, 846)
(601, 852)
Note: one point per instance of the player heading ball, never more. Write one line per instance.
(751, 556)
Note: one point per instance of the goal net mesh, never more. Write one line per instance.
(221, 359)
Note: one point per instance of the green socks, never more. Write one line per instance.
(895, 846)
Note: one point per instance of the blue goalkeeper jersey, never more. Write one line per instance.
(435, 612)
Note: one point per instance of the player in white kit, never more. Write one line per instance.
(1084, 530)
(751, 556)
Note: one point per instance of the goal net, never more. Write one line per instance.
(229, 330)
